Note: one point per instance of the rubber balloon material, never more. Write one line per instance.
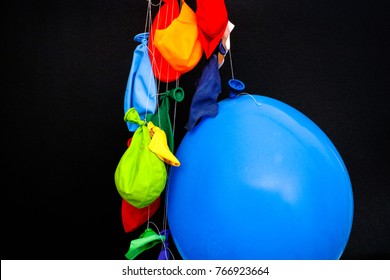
(259, 181)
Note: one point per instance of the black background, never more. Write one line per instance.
(65, 68)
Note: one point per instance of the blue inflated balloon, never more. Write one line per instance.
(259, 181)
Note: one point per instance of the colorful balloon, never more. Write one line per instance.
(141, 88)
(259, 181)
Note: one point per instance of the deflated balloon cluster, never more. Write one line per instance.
(174, 42)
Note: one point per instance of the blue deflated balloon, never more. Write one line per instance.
(141, 89)
(204, 102)
(259, 181)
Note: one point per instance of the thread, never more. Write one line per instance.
(251, 96)
(162, 241)
(155, 5)
(231, 62)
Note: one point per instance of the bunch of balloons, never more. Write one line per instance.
(253, 178)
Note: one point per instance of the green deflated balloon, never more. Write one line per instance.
(147, 240)
(162, 118)
(141, 175)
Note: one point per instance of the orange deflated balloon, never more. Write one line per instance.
(179, 43)
(161, 68)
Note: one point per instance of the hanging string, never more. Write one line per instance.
(232, 72)
(149, 22)
(156, 227)
(174, 117)
(148, 25)
(147, 226)
(155, 5)
(231, 62)
(153, 61)
(148, 14)
(165, 215)
(152, 51)
(146, 29)
(158, 24)
(162, 241)
(177, 82)
(165, 218)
